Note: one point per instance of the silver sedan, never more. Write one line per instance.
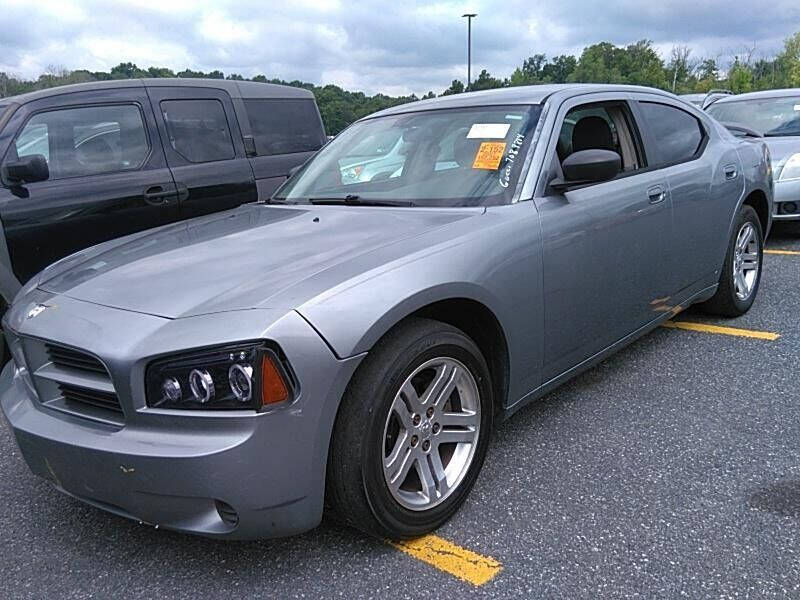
(351, 343)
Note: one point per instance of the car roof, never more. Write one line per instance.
(529, 94)
(784, 93)
(236, 89)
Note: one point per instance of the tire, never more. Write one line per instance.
(729, 301)
(375, 424)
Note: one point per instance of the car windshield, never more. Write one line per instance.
(452, 157)
(768, 116)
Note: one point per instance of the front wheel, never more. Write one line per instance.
(741, 273)
(412, 432)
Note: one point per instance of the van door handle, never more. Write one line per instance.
(656, 194)
(156, 195)
(730, 172)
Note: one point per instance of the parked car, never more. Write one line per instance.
(355, 341)
(87, 163)
(713, 95)
(775, 115)
(705, 100)
(696, 99)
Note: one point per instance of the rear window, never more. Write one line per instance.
(198, 129)
(284, 126)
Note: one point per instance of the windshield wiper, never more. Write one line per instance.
(353, 200)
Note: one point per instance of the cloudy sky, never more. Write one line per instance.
(389, 46)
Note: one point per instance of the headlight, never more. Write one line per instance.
(791, 170)
(246, 376)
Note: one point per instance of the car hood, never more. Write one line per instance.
(257, 256)
(780, 149)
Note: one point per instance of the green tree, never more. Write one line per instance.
(486, 82)
(455, 88)
(789, 62)
(127, 71)
(740, 78)
(599, 63)
(637, 63)
(559, 68)
(159, 72)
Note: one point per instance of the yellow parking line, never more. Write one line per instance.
(450, 558)
(785, 252)
(748, 333)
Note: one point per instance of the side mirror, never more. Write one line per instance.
(588, 166)
(29, 169)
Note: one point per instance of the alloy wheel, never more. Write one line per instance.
(431, 433)
(746, 261)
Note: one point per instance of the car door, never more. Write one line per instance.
(204, 149)
(604, 245)
(703, 174)
(108, 175)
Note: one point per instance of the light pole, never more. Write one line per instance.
(469, 17)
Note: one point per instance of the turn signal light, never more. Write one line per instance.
(273, 387)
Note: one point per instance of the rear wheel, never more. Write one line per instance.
(412, 432)
(741, 273)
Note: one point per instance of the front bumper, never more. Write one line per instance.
(237, 474)
(786, 192)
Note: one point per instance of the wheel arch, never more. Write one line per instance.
(478, 322)
(466, 306)
(758, 200)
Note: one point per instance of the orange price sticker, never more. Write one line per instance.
(489, 155)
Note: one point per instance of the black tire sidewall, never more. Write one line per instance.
(394, 519)
(746, 214)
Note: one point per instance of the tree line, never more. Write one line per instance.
(638, 63)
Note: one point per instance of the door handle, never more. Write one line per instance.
(156, 195)
(656, 194)
(730, 172)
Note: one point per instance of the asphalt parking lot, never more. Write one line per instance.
(670, 470)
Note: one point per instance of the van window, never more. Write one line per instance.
(86, 141)
(284, 126)
(198, 129)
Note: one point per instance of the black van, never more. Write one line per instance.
(82, 164)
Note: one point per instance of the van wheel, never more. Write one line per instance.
(412, 431)
(741, 273)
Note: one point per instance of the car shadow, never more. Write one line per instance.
(781, 498)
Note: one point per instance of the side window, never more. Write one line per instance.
(284, 126)
(198, 129)
(86, 141)
(34, 139)
(605, 126)
(677, 134)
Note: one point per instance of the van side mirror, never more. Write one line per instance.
(28, 169)
(588, 166)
